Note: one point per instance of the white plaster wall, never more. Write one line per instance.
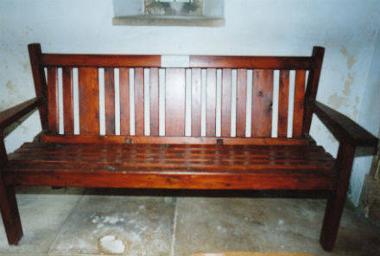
(347, 28)
(369, 116)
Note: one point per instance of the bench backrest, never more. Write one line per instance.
(141, 99)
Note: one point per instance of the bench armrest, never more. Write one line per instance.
(11, 115)
(343, 128)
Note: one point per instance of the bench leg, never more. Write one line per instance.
(10, 214)
(337, 199)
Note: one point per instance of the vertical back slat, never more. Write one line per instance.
(283, 102)
(139, 101)
(124, 101)
(262, 97)
(211, 103)
(196, 102)
(154, 102)
(109, 91)
(68, 100)
(226, 102)
(52, 85)
(241, 102)
(175, 102)
(299, 94)
(89, 100)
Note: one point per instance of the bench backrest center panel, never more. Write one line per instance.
(215, 99)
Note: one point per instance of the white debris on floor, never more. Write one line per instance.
(111, 244)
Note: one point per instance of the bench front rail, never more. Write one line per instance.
(127, 121)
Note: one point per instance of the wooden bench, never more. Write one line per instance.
(197, 130)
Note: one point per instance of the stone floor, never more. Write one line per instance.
(72, 222)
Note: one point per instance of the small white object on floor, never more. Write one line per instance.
(110, 244)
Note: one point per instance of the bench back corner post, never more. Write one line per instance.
(312, 87)
(35, 55)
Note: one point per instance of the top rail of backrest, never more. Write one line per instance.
(251, 62)
(150, 61)
(100, 60)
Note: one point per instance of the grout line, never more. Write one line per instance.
(174, 229)
(49, 251)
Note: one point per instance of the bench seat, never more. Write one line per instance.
(303, 167)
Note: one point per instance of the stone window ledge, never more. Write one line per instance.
(148, 20)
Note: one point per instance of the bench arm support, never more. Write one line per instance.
(350, 136)
(10, 116)
(343, 128)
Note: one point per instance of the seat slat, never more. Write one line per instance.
(89, 101)
(68, 100)
(52, 86)
(180, 179)
(124, 101)
(262, 100)
(235, 152)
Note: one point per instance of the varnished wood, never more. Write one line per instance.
(283, 104)
(109, 95)
(251, 62)
(208, 163)
(226, 102)
(343, 128)
(262, 101)
(337, 199)
(211, 103)
(11, 115)
(139, 102)
(10, 213)
(89, 100)
(175, 161)
(312, 87)
(8, 203)
(88, 139)
(196, 102)
(39, 79)
(124, 101)
(154, 102)
(98, 60)
(175, 102)
(299, 93)
(241, 102)
(173, 181)
(52, 85)
(3, 153)
(68, 100)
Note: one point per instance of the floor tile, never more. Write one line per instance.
(216, 225)
(43, 212)
(266, 225)
(143, 224)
